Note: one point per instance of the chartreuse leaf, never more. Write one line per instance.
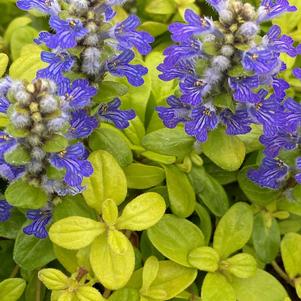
(217, 288)
(87, 293)
(16, 23)
(228, 152)
(204, 258)
(75, 232)
(266, 237)
(141, 176)
(180, 191)
(150, 272)
(24, 195)
(117, 242)
(56, 144)
(125, 294)
(163, 7)
(171, 280)
(233, 230)
(241, 265)
(261, 287)
(54, 279)
(174, 233)
(3, 63)
(142, 212)
(113, 270)
(18, 156)
(109, 212)
(290, 252)
(12, 289)
(107, 182)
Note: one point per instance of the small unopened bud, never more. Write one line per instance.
(227, 50)
(38, 129)
(248, 29)
(36, 117)
(34, 107)
(91, 64)
(221, 63)
(19, 120)
(226, 16)
(34, 140)
(48, 104)
(38, 154)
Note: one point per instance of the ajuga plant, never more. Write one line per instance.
(41, 152)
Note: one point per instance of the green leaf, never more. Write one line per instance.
(10, 228)
(217, 288)
(21, 37)
(87, 293)
(26, 66)
(12, 289)
(204, 258)
(164, 7)
(205, 221)
(173, 142)
(125, 294)
(233, 230)
(142, 212)
(56, 144)
(163, 159)
(135, 131)
(16, 23)
(18, 156)
(261, 287)
(258, 195)
(54, 279)
(150, 272)
(251, 139)
(171, 280)
(66, 257)
(107, 182)
(240, 265)
(228, 152)
(180, 192)
(108, 90)
(210, 191)
(6, 258)
(266, 237)
(110, 141)
(32, 253)
(175, 233)
(140, 176)
(22, 194)
(113, 270)
(3, 63)
(290, 252)
(75, 232)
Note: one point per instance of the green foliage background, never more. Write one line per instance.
(174, 225)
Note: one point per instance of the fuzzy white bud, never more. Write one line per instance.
(91, 63)
(38, 154)
(227, 50)
(48, 104)
(248, 29)
(19, 120)
(221, 63)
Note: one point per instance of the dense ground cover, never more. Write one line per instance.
(150, 150)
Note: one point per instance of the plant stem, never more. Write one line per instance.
(14, 272)
(106, 293)
(282, 274)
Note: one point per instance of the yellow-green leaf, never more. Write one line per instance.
(142, 212)
(53, 279)
(75, 232)
(11, 289)
(86, 293)
(107, 182)
(3, 63)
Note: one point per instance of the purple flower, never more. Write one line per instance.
(176, 113)
(192, 89)
(10, 172)
(196, 25)
(243, 86)
(110, 112)
(82, 125)
(279, 43)
(4, 104)
(270, 9)
(298, 175)
(119, 66)
(127, 36)
(219, 5)
(40, 218)
(58, 64)
(45, 6)
(5, 210)
(68, 32)
(260, 61)
(203, 119)
(6, 143)
(73, 160)
(270, 174)
(292, 115)
(282, 140)
(297, 73)
(78, 94)
(266, 112)
(236, 124)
